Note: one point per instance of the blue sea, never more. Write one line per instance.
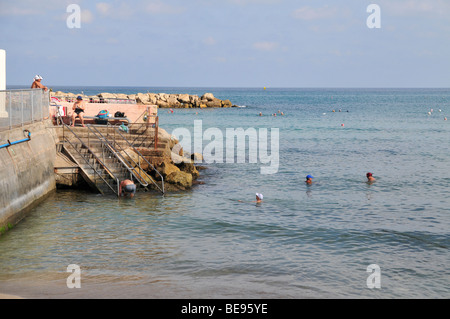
(214, 241)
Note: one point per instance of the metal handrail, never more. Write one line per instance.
(22, 90)
(122, 159)
(142, 114)
(141, 133)
(95, 157)
(105, 142)
(147, 124)
(34, 107)
(140, 155)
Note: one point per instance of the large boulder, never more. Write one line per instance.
(184, 98)
(107, 95)
(173, 101)
(142, 98)
(214, 103)
(162, 104)
(208, 96)
(197, 157)
(189, 168)
(152, 98)
(193, 99)
(162, 97)
(226, 103)
(121, 96)
(180, 179)
(166, 168)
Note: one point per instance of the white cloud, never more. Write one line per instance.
(309, 13)
(265, 46)
(86, 16)
(104, 8)
(209, 41)
(120, 10)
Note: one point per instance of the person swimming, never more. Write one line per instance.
(370, 178)
(259, 197)
(309, 179)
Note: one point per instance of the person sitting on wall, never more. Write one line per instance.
(78, 108)
(37, 83)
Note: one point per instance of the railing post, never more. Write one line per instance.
(156, 132)
(22, 112)
(32, 106)
(10, 108)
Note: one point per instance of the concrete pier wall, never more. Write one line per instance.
(26, 170)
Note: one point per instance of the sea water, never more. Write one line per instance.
(214, 241)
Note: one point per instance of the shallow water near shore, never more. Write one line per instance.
(300, 242)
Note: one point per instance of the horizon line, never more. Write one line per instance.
(230, 87)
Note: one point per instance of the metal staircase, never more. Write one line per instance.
(112, 146)
(95, 171)
(104, 163)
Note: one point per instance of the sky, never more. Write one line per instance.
(227, 43)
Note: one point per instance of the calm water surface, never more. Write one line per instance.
(301, 242)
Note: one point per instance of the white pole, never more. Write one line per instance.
(3, 112)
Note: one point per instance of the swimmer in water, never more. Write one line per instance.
(259, 197)
(370, 178)
(309, 180)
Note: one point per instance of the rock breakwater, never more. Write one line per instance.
(162, 100)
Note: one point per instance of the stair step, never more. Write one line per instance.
(88, 148)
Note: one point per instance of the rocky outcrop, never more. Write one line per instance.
(180, 179)
(163, 100)
(179, 170)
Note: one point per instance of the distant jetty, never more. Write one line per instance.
(162, 100)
